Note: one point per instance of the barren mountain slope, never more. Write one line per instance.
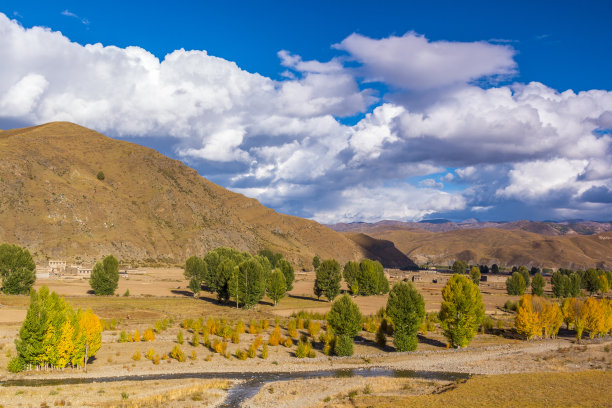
(148, 207)
(504, 247)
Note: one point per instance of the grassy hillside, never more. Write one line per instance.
(504, 247)
(148, 207)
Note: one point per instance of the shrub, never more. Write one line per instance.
(487, 324)
(241, 354)
(150, 354)
(292, 329)
(240, 327)
(15, 365)
(235, 337)
(136, 356)
(177, 353)
(462, 310)
(155, 359)
(287, 342)
(100, 176)
(219, 346)
(195, 340)
(275, 337)
(303, 349)
(126, 293)
(136, 336)
(313, 328)
(193, 355)
(511, 305)
(123, 337)
(252, 351)
(148, 335)
(264, 352)
(406, 308)
(179, 337)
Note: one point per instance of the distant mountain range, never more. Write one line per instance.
(551, 228)
(570, 244)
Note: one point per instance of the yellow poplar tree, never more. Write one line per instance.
(593, 315)
(552, 317)
(527, 320)
(606, 305)
(91, 328)
(65, 347)
(578, 317)
(567, 308)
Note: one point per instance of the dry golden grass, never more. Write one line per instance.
(577, 389)
(185, 392)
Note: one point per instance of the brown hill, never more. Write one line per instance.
(504, 247)
(148, 207)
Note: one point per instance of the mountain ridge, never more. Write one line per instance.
(148, 208)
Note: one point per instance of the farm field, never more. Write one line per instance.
(161, 294)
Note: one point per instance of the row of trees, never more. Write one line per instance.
(461, 313)
(17, 269)
(240, 276)
(565, 282)
(539, 317)
(568, 283)
(54, 335)
(364, 278)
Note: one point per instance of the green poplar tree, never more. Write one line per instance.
(350, 274)
(104, 278)
(276, 286)
(345, 319)
(406, 308)
(17, 269)
(462, 310)
(328, 277)
(287, 270)
(247, 284)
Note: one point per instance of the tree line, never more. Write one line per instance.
(461, 313)
(239, 276)
(54, 335)
(540, 317)
(364, 278)
(565, 282)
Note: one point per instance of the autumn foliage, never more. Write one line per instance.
(538, 317)
(54, 335)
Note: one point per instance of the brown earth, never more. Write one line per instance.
(148, 207)
(504, 247)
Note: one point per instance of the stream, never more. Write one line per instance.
(252, 381)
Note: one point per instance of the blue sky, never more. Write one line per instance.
(359, 110)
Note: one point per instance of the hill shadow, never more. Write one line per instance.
(383, 251)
